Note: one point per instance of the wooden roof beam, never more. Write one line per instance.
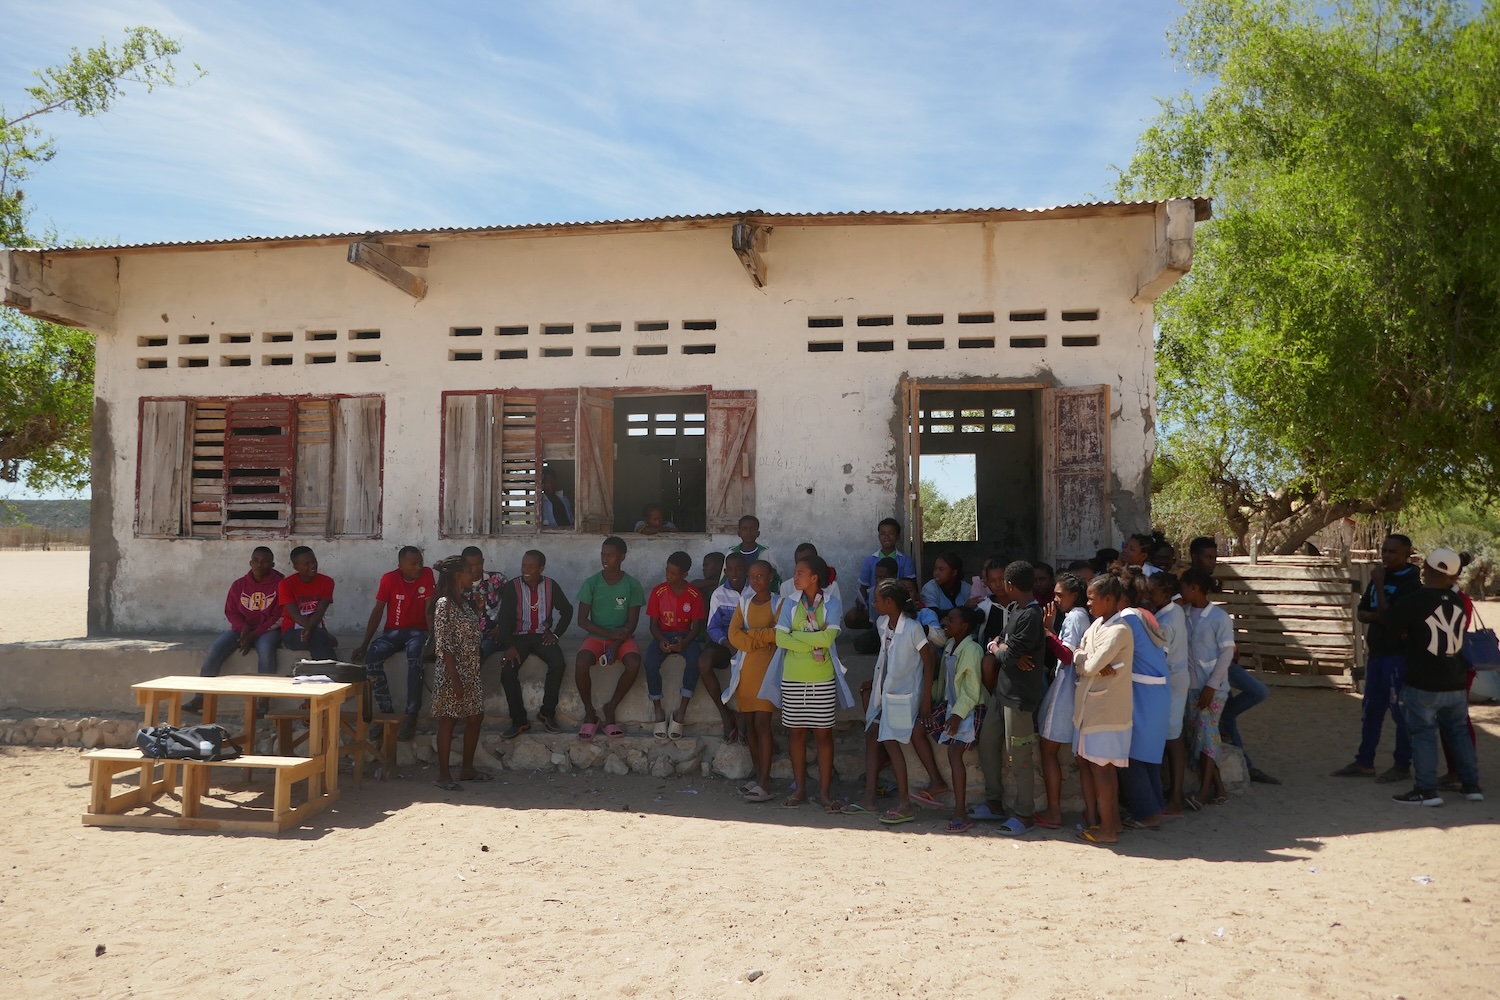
(749, 242)
(386, 260)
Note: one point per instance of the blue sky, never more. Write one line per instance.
(377, 115)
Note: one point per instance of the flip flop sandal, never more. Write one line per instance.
(449, 786)
(893, 818)
(927, 799)
(1191, 801)
(674, 729)
(983, 813)
(835, 807)
(755, 793)
(1012, 827)
(1044, 822)
(1135, 824)
(885, 791)
(855, 809)
(613, 731)
(794, 802)
(660, 731)
(958, 826)
(587, 730)
(1221, 800)
(1087, 836)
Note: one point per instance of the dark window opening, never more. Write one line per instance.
(194, 362)
(1028, 316)
(466, 331)
(604, 328)
(197, 338)
(976, 317)
(151, 341)
(604, 352)
(876, 320)
(278, 338)
(511, 331)
(1092, 340)
(557, 352)
(465, 355)
(234, 338)
(153, 362)
(321, 359)
(236, 362)
(651, 326)
(924, 345)
(934, 319)
(651, 349)
(700, 324)
(322, 335)
(698, 348)
(357, 358)
(269, 430)
(662, 441)
(557, 329)
(364, 335)
(277, 359)
(1079, 315)
(975, 343)
(1028, 342)
(824, 346)
(511, 355)
(821, 322)
(871, 346)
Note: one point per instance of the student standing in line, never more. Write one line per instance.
(405, 596)
(253, 613)
(1012, 671)
(457, 692)
(1431, 623)
(1210, 651)
(1385, 668)
(1151, 703)
(946, 590)
(1102, 709)
(991, 737)
(718, 652)
(525, 627)
(806, 678)
(752, 632)
(305, 597)
(752, 548)
(676, 615)
(963, 687)
(1056, 714)
(609, 610)
(1161, 594)
(903, 671)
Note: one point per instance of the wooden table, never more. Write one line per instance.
(161, 701)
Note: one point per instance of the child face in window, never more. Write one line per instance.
(652, 517)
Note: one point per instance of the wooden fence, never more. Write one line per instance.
(28, 537)
(1294, 614)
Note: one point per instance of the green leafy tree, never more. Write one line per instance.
(1335, 350)
(47, 370)
(934, 509)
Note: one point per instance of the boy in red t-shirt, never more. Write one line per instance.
(304, 598)
(677, 615)
(406, 597)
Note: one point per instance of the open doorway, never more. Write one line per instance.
(660, 458)
(977, 460)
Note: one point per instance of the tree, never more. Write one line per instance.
(47, 370)
(1335, 349)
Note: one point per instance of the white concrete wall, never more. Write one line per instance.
(827, 467)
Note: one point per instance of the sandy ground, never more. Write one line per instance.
(44, 595)
(590, 885)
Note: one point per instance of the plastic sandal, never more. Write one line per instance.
(893, 818)
(659, 731)
(1044, 822)
(855, 809)
(587, 730)
(927, 799)
(984, 813)
(1012, 827)
(958, 826)
(613, 731)
(674, 729)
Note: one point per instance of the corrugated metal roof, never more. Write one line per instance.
(665, 222)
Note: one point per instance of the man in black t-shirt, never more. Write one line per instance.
(1430, 624)
(1385, 666)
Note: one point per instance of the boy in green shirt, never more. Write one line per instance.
(609, 609)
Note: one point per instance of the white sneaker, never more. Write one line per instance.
(1418, 797)
(1473, 793)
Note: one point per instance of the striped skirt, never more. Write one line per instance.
(807, 705)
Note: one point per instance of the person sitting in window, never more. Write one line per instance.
(406, 596)
(653, 521)
(304, 598)
(557, 509)
(253, 615)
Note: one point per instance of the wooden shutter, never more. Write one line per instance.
(205, 479)
(557, 416)
(516, 468)
(160, 487)
(357, 431)
(1075, 479)
(595, 503)
(466, 464)
(911, 407)
(259, 447)
(730, 473)
(314, 467)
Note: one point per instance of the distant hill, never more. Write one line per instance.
(59, 515)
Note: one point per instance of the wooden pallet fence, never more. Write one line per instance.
(1292, 614)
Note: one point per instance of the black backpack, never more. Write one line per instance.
(209, 742)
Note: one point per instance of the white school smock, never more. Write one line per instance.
(896, 688)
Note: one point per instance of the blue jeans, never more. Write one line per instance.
(1141, 783)
(1248, 692)
(1383, 680)
(320, 647)
(384, 646)
(652, 657)
(227, 642)
(1429, 713)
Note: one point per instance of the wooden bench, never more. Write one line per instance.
(107, 808)
(351, 725)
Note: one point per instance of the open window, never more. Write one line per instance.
(260, 467)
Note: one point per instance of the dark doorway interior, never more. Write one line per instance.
(660, 452)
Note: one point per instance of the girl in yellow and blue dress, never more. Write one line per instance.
(456, 689)
(806, 678)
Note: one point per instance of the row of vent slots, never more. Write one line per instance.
(641, 350)
(936, 319)
(192, 339)
(244, 361)
(964, 343)
(561, 329)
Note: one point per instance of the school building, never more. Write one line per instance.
(362, 391)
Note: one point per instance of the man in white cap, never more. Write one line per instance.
(1431, 623)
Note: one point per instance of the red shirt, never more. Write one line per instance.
(675, 612)
(252, 603)
(405, 600)
(295, 590)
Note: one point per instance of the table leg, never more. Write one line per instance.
(249, 734)
(317, 741)
(333, 729)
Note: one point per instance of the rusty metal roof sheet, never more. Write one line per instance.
(1082, 210)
